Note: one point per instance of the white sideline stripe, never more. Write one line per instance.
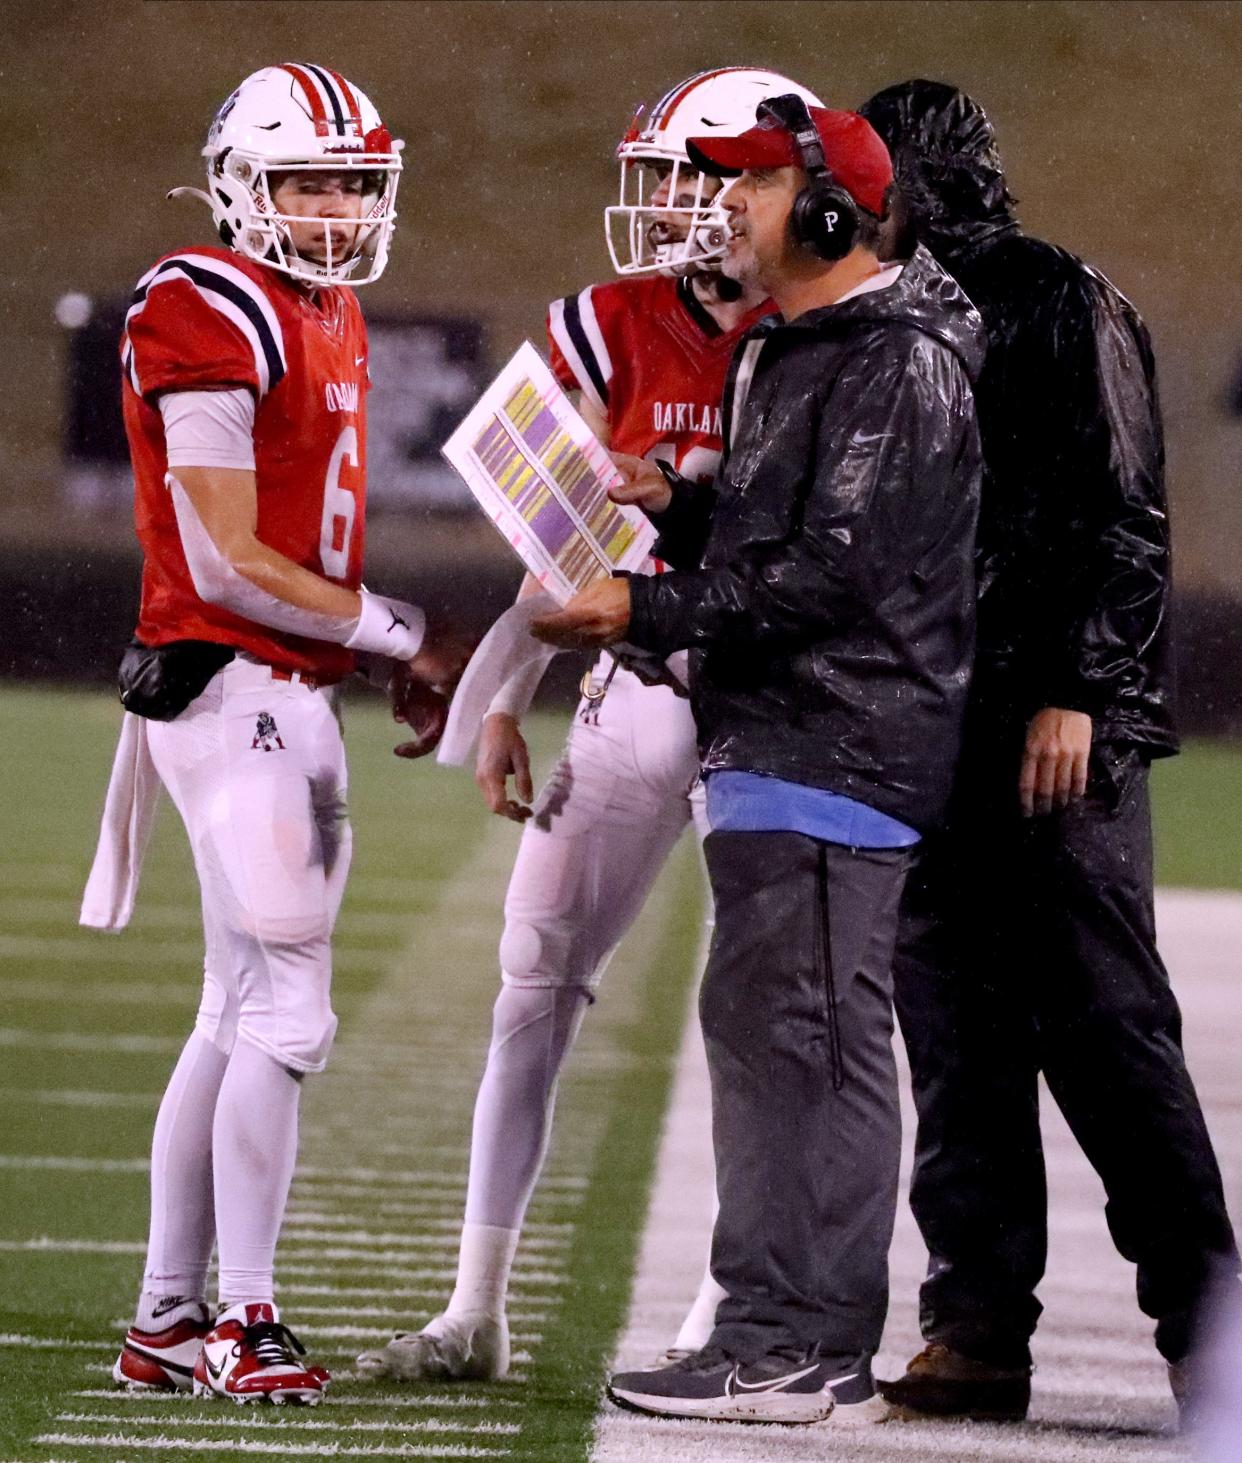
(303, 1424)
(241, 1445)
(431, 1400)
(1099, 1389)
(55, 1343)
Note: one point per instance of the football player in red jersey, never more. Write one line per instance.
(648, 354)
(245, 380)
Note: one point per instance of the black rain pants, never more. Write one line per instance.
(1028, 945)
(796, 1006)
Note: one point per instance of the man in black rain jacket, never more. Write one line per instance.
(824, 585)
(1028, 942)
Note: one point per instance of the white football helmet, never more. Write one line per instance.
(652, 230)
(296, 117)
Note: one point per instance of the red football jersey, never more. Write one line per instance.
(204, 318)
(648, 356)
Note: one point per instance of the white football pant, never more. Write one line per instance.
(256, 767)
(624, 790)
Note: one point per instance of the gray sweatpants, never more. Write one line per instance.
(797, 1019)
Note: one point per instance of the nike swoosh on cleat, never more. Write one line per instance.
(776, 1384)
(215, 1372)
(158, 1359)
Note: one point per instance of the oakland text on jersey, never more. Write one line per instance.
(341, 395)
(686, 416)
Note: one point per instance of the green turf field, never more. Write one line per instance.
(91, 1025)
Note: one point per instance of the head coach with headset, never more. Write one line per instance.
(824, 584)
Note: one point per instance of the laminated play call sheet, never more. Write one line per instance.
(542, 477)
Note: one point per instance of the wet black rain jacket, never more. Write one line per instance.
(828, 593)
(1074, 567)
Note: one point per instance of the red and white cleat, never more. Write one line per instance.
(161, 1361)
(249, 1356)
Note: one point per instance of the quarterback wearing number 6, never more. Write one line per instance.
(245, 382)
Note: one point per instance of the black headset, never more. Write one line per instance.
(824, 217)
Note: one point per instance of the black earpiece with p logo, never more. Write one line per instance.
(824, 217)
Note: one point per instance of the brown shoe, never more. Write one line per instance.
(943, 1383)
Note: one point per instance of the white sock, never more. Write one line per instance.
(183, 1225)
(700, 1320)
(483, 1265)
(255, 1145)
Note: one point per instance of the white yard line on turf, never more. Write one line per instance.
(297, 1419)
(70, 1097)
(1099, 1392)
(426, 1401)
(280, 1450)
(433, 1219)
(132, 950)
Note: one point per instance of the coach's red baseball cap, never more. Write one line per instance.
(857, 157)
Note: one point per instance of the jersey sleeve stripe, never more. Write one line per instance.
(237, 301)
(583, 331)
(129, 369)
(586, 375)
(226, 271)
(590, 324)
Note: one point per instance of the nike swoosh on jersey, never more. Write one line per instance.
(773, 1384)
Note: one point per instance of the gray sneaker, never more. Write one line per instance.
(785, 1385)
(473, 1347)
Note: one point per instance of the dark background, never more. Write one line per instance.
(1121, 124)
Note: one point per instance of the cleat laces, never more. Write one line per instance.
(274, 1344)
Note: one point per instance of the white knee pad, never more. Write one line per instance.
(551, 956)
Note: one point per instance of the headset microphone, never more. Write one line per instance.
(824, 216)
